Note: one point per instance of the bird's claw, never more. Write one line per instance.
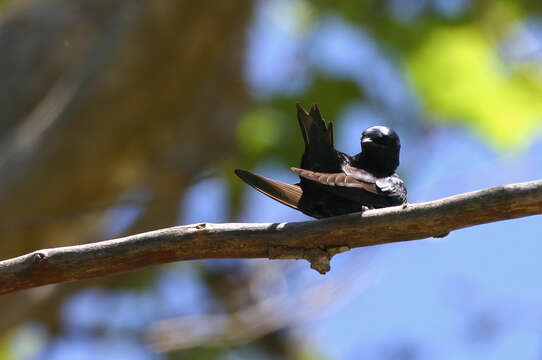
(365, 208)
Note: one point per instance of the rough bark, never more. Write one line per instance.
(316, 241)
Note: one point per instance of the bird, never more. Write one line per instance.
(333, 183)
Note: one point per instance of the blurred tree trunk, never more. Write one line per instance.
(106, 100)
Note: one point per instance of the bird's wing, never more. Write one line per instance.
(393, 187)
(287, 194)
(313, 127)
(337, 179)
(359, 174)
(315, 114)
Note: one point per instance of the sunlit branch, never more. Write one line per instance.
(315, 241)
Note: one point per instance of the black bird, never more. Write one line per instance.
(334, 183)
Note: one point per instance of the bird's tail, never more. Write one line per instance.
(316, 134)
(287, 194)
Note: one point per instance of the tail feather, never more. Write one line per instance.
(305, 122)
(287, 194)
(313, 127)
(316, 115)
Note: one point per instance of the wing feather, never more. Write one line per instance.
(393, 187)
(287, 194)
(336, 179)
(304, 123)
(359, 174)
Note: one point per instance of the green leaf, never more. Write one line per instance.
(5, 348)
(461, 80)
(259, 132)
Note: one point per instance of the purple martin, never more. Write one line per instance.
(333, 183)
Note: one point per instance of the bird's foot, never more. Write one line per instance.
(365, 208)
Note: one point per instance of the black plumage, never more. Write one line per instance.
(334, 183)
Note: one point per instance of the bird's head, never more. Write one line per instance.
(381, 145)
(380, 137)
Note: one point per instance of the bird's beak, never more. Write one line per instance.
(367, 141)
(370, 142)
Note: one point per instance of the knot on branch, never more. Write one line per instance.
(318, 258)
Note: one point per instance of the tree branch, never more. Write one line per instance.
(316, 241)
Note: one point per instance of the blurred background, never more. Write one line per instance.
(118, 117)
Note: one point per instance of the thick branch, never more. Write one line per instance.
(316, 241)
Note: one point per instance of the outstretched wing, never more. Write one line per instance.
(287, 194)
(319, 155)
(313, 128)
(337, 180)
